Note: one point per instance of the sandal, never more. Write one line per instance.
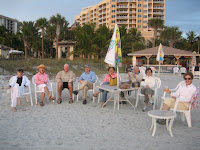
(41, 104)
(59, 101)
(52, 98)
(70, 101)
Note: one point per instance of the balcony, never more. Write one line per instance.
(132, 17)
(122, 22)
(132, 6)
(158, 13)
(122, 12)
(122, 6)
(158, 7)
(126, 1)
(162, 2)
(132, 12)
(132, 22)
(122, 17)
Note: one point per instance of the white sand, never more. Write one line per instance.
(90, 127)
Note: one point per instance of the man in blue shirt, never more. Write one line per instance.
(86, 80)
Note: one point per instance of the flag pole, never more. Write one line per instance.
(117, 76)
(159, 68)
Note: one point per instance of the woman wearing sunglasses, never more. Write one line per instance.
(185, 91)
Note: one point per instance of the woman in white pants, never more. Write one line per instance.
(17, 83)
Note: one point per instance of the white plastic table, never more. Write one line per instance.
(116, 91)
(162, 114)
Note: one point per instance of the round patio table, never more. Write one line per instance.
(162, 114)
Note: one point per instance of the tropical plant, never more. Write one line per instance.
(59, 21)
(171, 34)
(42, 23)
(155, 23)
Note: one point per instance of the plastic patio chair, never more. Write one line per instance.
(90, 90)
(157, 86)
(38, 91)
(26, 93)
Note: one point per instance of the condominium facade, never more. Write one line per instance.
(10, 24)
(131, 13)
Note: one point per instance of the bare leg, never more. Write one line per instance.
(165, 107)
(47, 91)
(19, 101)
(60, 86)
(149, 96)
(14, 109)
(42, 96)
(70, 89)
(96, 94)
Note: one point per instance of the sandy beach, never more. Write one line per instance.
(90, 127)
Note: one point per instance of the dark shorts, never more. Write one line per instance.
(65, 85)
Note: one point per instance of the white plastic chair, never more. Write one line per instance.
(142, 71)
(183, 70)
(153, 70)
(27, 94)
(91, 90)
(63, 89)
(37, 91)
(157, 86)
(175, 70)
(186, 113)
(172, 90)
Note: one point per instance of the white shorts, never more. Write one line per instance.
(41, 87)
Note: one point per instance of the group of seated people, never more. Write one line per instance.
(65, 79)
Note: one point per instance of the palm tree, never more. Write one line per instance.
(42, 23)
(59, 21)
(51, 34)
(155, 23)
(172, 34)
(29, 33)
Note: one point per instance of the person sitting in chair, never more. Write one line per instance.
(185, 91)
(148, 85)
(18, 83)
(106, 81)
(86, 80)
(65, 79)
(41, 80)
(136, 76)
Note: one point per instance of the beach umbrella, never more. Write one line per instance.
(160, 55)
(193, 61)
(114, 54)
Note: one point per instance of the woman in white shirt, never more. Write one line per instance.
(148, 85)
(185, 91)
(17, 83)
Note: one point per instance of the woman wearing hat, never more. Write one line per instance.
(17, 83)
(41, 80)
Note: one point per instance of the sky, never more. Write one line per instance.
(182, 13)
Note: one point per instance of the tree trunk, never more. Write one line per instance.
(155, 36)
(57, 39)
(25, 48)
(171, 43)
(42, 43)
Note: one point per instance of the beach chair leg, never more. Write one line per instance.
(188, 118)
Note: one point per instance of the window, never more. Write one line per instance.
(145, 0)
(107, 3)
(139, 15)
(139, 21)
(145, 21)
(145, 16)
(107, 18)
(139, 10)
(113, 16)
(107, 14)
(145, 6)
(113, 11)
(139, 26)
(145, 27)
(113, 5)
(144, 11)
(107, 9)
(139, 5)
(113, 21)
(113, 0)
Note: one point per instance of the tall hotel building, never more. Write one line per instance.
(131, 13)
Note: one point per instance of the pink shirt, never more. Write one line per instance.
(41, 78)
(107, 77)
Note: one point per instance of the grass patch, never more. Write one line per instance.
(53, 66)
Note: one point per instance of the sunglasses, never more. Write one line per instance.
(187, 78)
